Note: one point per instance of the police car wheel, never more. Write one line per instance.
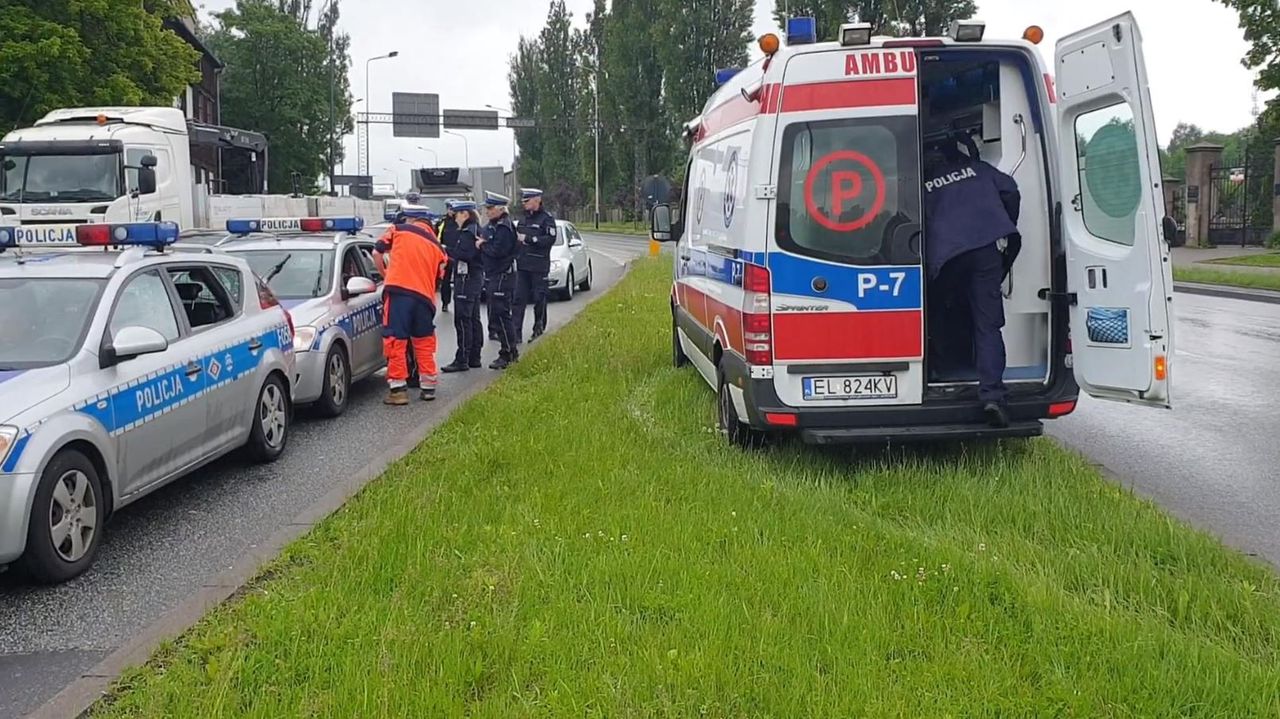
(270, 430)
(337, 383)
(738, 433)
(586, 283)
(66, 519)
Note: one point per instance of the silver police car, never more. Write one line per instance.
(122, 369)
(322, 270)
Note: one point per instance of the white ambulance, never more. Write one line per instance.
(800, 292)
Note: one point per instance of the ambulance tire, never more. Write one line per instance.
(42, 561)
(739, 433)
(336, 388)
(678, 357)
(272, 416)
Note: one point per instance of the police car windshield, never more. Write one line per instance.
(849, 190)
(293, 274)
(60, 178)
(43, 320)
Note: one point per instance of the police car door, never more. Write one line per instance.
(156, 416)
(848, 319)
(1118, 263)
(362, 320)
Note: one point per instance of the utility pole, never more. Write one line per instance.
(596, 97)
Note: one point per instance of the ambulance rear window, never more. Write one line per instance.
(849, 190)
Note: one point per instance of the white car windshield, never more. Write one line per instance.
(43, 320)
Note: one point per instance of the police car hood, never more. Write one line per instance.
(306, 312)
(20, 390)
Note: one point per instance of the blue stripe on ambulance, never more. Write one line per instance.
(881, 287)
(127, 406)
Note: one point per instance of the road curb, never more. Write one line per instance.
(1234, 293)
(79, 697)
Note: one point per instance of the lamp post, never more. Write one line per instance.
(433, 154)
(332, 90)
(515, 183)
(466, 148)
(367, 94)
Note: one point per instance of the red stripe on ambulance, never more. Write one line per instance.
(849, 93)
(894, 334)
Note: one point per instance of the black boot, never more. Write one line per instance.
(997, 414)
(500, 363)
(455, 367)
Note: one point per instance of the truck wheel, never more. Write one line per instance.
(270, 431)
(739, 434)
(337, 383)
(66, 520)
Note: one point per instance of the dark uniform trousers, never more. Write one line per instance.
(500, 290)
(531, 287)
(446, 285)
(966, 314)
(468, 281)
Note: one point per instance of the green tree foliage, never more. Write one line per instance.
(900, 18)
(68, 53)
(278, 81)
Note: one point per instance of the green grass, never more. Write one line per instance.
(1269, 259)
(1249, 280)
(579, 541)
(618, 228)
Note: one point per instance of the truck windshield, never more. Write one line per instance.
(60, 178)
(51, 335)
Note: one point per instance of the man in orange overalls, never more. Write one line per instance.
(409, 300)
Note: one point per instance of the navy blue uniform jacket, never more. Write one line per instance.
(499, 250)
(967, 205)
(539, 230)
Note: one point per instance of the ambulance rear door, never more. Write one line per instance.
(844, 254)
(1118, 264)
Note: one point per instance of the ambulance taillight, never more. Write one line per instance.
(757, 325)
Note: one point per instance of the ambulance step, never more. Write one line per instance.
(935, 433)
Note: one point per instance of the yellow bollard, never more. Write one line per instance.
(655, 247)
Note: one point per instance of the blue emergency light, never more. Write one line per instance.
(296, 224)
(7, 239)
(802, 31)
(725, 74)
(132, 234)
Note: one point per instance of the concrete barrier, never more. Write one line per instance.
(370, 210)
(220, 208)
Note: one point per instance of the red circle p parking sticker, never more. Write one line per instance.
(845, 173)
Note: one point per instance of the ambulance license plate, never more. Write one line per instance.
(858, 387)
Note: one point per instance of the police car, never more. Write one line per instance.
(799, 291)
(321, 269)
(123, 368)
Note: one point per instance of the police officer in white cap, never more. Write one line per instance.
(537, 234)
(499, 250)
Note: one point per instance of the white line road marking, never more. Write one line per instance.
(613, 257)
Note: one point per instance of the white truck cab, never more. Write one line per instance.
(800, 292)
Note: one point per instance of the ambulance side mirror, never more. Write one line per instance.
(660, 223)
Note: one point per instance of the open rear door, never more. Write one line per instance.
(1118, 263)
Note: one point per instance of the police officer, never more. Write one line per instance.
(969, 207)
(446, 231)
(499, 251)
(537, 233)
(468, 279)
(408, 311)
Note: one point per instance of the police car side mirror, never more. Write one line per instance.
(133, 341)
(357, 286)
(660, 223)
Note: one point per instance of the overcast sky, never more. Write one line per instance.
(1193, 58)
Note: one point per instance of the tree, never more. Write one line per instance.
(68, 53)
(278, 82)
(914, 18)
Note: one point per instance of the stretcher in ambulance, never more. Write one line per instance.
(800, 292)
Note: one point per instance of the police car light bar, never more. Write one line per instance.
(967, 30)
(134, 234)
(802, 31)
(7, 239)
(858, 33)
(296, 224)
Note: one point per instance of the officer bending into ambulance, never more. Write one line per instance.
(468, 281)
(499, 251)
(969, 207)
(537, 234)
(409, 301)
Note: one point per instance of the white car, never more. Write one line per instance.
(570, 263)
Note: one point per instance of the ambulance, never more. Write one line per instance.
(800, 292)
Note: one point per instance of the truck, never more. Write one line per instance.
(434, 185)
(116, 164)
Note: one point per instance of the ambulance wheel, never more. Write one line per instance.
(66, 520)
(586, 282)
(678, 357)
(739, 434)
(270, 431)
(337, 383)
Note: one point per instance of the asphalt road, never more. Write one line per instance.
(160, 550)
(1213, 460)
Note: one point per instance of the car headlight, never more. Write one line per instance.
(8, 435)
(303, 337)
(557, 265)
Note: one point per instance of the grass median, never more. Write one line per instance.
(1229, 278)
(579, 541)
(1266, 259)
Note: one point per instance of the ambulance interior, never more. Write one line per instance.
(984, 95)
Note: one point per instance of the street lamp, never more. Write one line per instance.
(433, 154)
(368, 94)
(515, 183)
(332, 89)
(466, 149)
